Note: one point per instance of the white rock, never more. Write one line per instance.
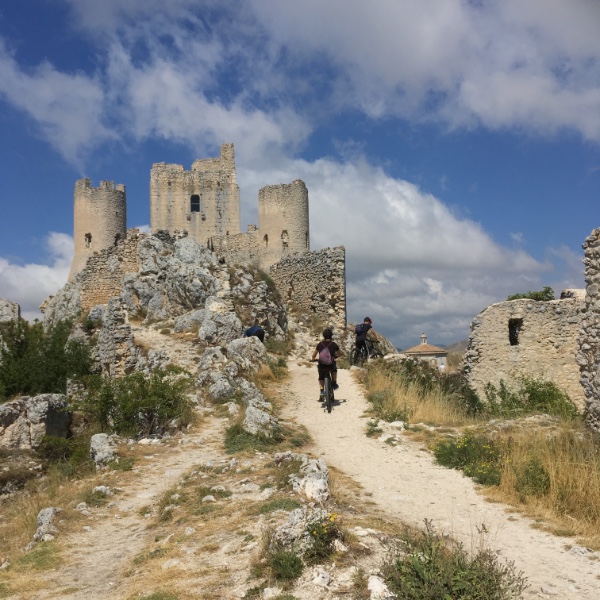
(378, 589)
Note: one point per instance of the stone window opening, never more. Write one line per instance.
(514, 328)
(285, 238)
(117, 238)
(88, 240)
(266, 239)
(195, 203)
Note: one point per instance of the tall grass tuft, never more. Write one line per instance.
(415, 392)
(556, 475)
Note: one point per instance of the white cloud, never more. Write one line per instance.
(531, 65)
(67, 107)
(30, 284)
(263, 73)
(411, 264)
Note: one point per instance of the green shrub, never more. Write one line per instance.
(425, 566)
(70, 457)
(270, 506)
(285, 565)
(532, 396)
(239, 440)
(543, 295)
(533, 479)
(373, 428)
(137, 405)
(322, 534)
(35, 361)
(476, 455)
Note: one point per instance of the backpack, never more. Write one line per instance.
(325, 357)
(359, 329)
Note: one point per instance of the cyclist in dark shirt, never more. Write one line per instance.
(334, 350)
(255, 331)
(361, 338)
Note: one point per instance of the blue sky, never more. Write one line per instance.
(452, 146)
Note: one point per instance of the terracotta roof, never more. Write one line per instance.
(425, 349)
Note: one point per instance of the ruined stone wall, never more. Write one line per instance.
(544, 343)
(204, 201)
(101, 278)
(315, 284)
(588, 344)
(282, 222)
(100, 219)
(243, 248)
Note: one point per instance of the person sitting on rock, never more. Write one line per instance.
(255, 331)
(324, 367)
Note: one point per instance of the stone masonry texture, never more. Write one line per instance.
(588, 344)
(315, 284)
(544, 344)
(100, 217)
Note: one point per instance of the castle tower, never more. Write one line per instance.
(283, 222)
(204, 201)
(100, 220)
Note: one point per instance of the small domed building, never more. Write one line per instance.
(424, 351)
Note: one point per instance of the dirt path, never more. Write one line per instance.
(406, 483)
(109, 537)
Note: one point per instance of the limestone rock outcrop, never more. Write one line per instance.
(9, 311)
(25, 421)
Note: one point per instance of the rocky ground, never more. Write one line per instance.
(190, 519)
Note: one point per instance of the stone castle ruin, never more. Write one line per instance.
(525, 338)
(204, 204)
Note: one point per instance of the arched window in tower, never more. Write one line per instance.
(195, 203)
(285, 238)
(88, 240)
(266, 239)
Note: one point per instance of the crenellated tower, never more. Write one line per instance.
(204, 201)
(100, 219)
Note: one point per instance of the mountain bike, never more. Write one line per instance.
(359, 356)
(327, 390)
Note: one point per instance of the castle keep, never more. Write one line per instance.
(205, 202)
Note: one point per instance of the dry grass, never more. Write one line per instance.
(556, 478)
(394, 399)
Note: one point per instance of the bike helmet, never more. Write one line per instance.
(367, 320)
(327, 334)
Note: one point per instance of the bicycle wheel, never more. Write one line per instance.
(354, 356)
(328, 394)
(363, 355)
